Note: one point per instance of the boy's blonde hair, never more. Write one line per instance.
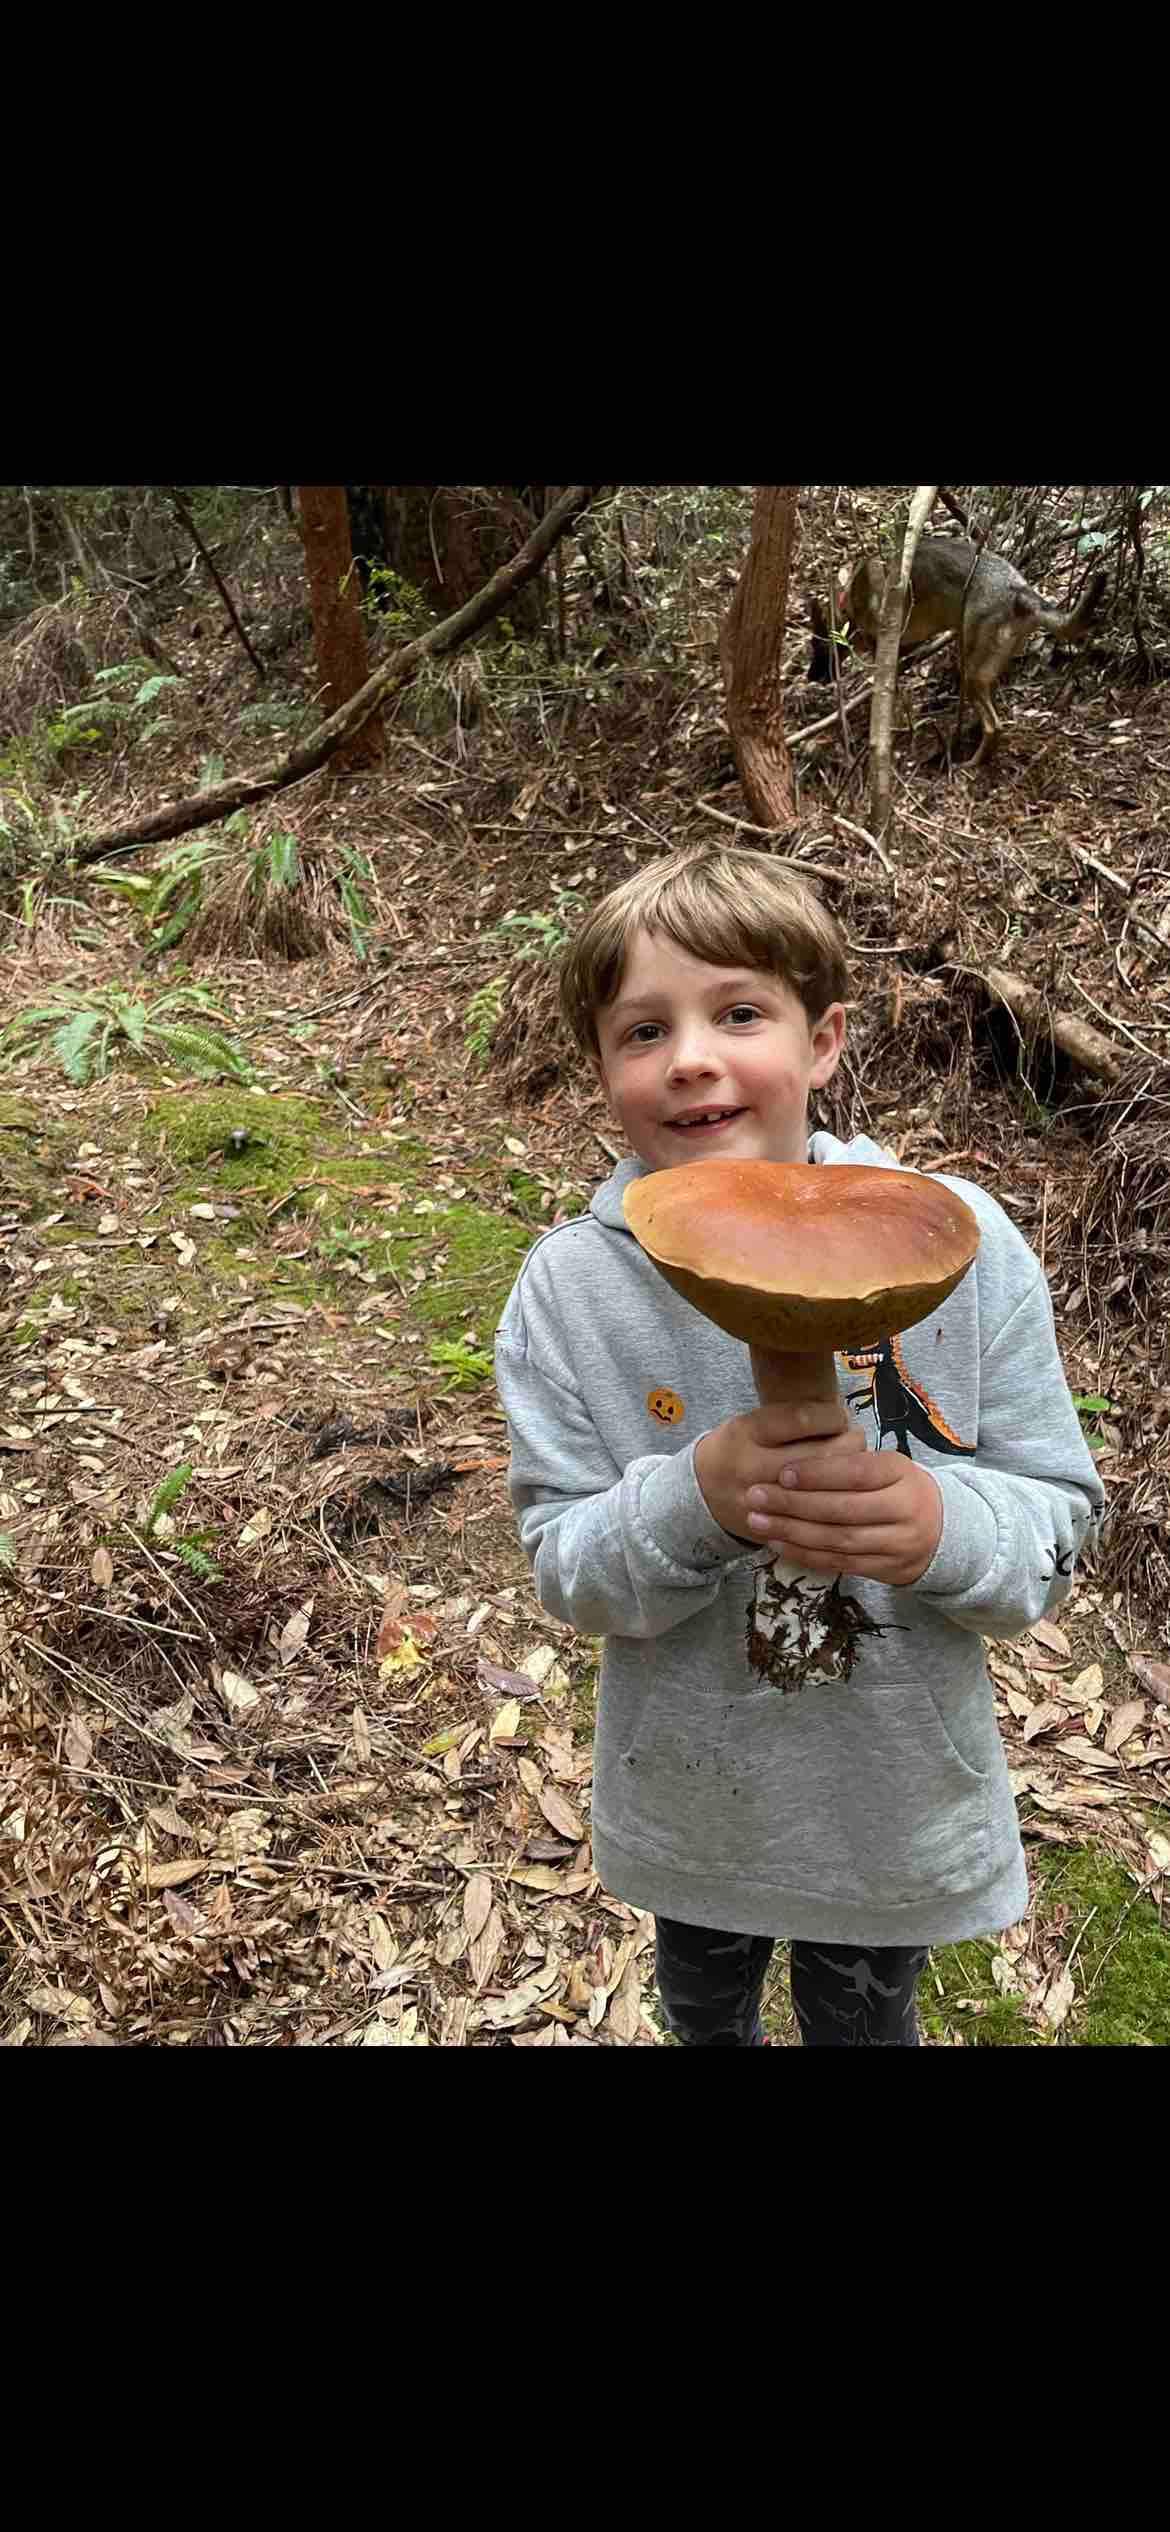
(731, 907)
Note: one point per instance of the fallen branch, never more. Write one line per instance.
(181, 816)
(1124, 887)
(832, 720)
(1082, 1044)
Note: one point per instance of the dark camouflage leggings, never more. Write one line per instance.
(711, 1984)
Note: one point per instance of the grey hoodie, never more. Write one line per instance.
(875, 1810)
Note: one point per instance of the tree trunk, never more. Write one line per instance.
(750, 647)
(895, 607)
(339, 635)
(447, 539)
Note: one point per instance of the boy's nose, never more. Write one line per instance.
(692, 1054)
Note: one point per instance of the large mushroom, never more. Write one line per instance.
(799, 1262)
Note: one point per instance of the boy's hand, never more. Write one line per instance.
(836, 1512)
(738, 1463)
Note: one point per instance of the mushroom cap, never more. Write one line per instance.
(800, 1258)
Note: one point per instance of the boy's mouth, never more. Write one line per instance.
(703, 1120)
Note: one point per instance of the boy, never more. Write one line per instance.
(866, 1819)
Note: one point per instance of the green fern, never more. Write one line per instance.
(165, 901)
(194, 1555)
(463, 1362)
(541, 935)
(173, 1485)
(202, 1051)
(358, 868)
(86, 1028)
(277, 864)
(484, 1013)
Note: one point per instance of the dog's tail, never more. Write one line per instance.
(1073, 627)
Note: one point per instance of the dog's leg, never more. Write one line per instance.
(982, 681)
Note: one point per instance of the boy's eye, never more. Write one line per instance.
(742, 1011)
(645, 1032)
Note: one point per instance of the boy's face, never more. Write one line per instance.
(700, 1061)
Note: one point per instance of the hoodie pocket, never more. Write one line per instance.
(835, 1793)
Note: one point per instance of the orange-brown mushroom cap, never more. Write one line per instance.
(799, 1258)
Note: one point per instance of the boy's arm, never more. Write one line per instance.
(1016, 1519)
(613, 1552)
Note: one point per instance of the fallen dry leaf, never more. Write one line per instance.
(238, 1694)
(256, 1528)
(485, 1951)
(1153, 1674)
(505, 1723)
(506, 1683)
(440, 1742)
(382, 1943)
(522, 2000)
(477, 1905)
(1086, 1688)
(1060, 1995)
(1052, 1637)
(1084, 1753)
(156, 1876)
(540, 1664)
(530, 1777)
(102, 1568)
(557, 1743)
(78, 1742)
(1086, 1797)
(163, 1816)
(625, 2011)
(1158, 1849)
(1124, 1720)
(559, 1812)
(1041, 1719)
(294, 1633)
(59, 2001)
(542, 1877)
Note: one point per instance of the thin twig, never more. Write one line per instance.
(866, 838)
(225, 593)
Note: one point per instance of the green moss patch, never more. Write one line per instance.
(970, 2002)
(483, 1257)
(284, 1139)
(1122, 1967)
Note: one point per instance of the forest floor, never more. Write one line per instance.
(289, 1754)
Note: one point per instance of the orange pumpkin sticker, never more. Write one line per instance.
(666, 1405)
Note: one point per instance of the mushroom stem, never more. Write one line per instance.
(795, 1629)
(782, 1379)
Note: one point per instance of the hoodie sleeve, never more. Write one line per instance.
(1015, 1521)
(613, 1551)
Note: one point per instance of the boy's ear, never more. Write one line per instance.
(828, 1039)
